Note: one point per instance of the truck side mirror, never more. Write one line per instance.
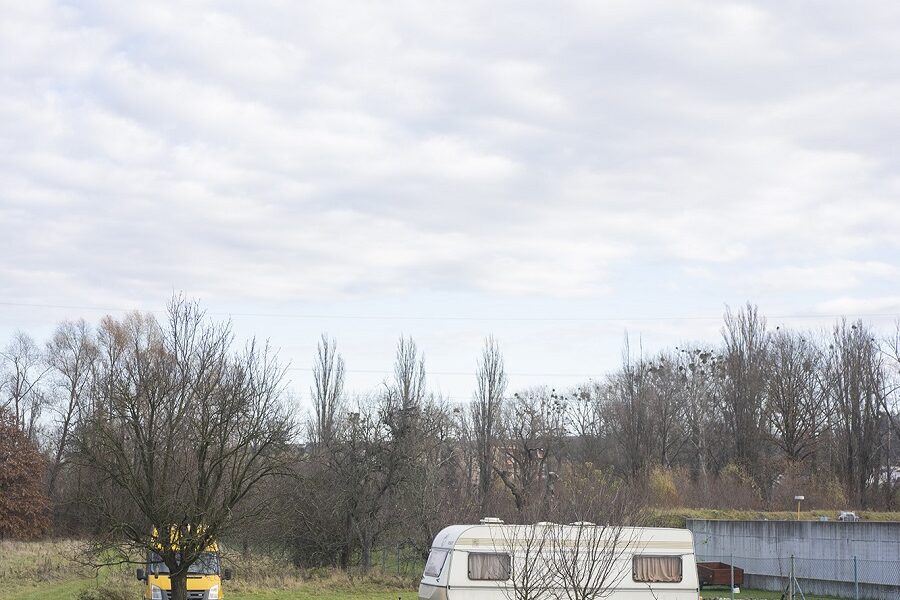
(140, 575)
(227, 574)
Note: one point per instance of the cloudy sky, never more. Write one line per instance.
(554, 173)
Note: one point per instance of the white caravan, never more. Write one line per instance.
(494, 561)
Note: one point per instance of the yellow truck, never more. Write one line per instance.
(204, 580)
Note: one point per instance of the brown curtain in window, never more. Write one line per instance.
(657, 569)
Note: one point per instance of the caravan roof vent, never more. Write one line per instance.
(583, 524)
(491, 521)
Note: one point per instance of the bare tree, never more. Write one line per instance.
(21, 370)
(855, 379)
(434, 495)
(667, 406)
(890, 398)
(186, 429)
(646, 406)
(408, 387)
(469, 455)
(588, 559)
(531, 569)
(378, 449)
(745, 362)
(890, 403)
(587, 419)
(532, 432)
(490, 388)
(798, 403)
(327, 391)
(578, 561)
(72, 354)
(630, 409)
(700, 372)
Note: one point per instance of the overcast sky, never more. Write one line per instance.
(553, 173)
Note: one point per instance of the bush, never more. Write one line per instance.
(736, 489)
(663, 491)
(24, 507)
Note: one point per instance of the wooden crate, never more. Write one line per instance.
(718, 573)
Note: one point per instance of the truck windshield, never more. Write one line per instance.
(207, 564)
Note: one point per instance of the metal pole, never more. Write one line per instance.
(855, 580)
(791, 581)
(731, 565)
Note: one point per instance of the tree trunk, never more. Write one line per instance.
(345, 557)
(179, 586)
(365, 558)
(345, 548)
(485, 473)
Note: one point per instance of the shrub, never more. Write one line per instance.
(662, 488)
(24, 507)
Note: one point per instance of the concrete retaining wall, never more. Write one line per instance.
(824, 554)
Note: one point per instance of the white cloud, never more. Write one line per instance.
(835, 276)
(881, 305)
(315, 150)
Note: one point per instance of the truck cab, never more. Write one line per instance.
(204, 580)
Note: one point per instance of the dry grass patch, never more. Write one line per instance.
(49, 560)
(48, 570)
(257, 571)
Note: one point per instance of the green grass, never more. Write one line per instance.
(69, 590)
(722, 593)
(66, 590)
(321, 595)
(46, 570)
(40, 570)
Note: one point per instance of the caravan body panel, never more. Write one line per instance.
(448, 577)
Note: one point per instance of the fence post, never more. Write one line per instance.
(398, 560)
(855, 580)
(731, 566)
(791, 581)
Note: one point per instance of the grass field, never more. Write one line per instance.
(47, 571)
(71, 590)
(722, 593)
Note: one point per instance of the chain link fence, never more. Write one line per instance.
(399, 561)
(838, 577)
(851, 578)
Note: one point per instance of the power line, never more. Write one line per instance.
(464, 373)
(349, 317)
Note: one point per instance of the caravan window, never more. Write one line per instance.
(491, 567)
(436, 560)
(656, 569)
